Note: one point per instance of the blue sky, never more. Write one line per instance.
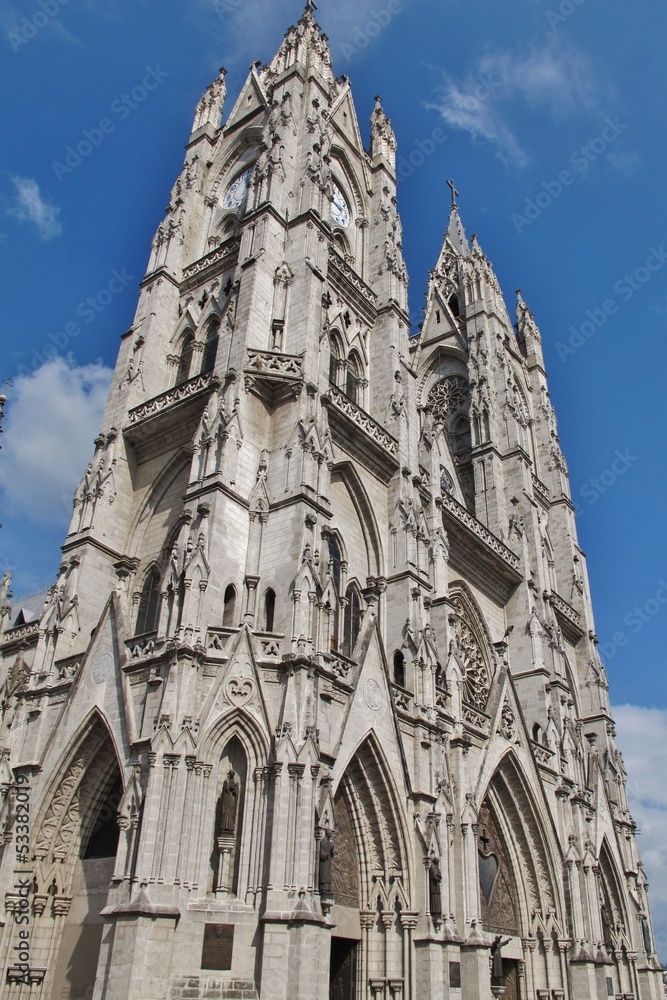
(555, 130)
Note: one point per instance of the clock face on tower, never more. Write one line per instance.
(340, 212)
(236, 194)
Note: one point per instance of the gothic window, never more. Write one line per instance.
(353, 376)
(269, 610)
(211, 347)
(334, 570)
(334, 360)
(447, 396)
(454, 305)
(185, 359)
(229, 608)
(399, 668)
(352, 620)
(149, 604)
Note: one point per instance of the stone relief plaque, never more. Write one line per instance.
(218, 946)
(373, 695)
(101, 667)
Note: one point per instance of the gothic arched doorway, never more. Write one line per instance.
(75, 853)
(370, 878)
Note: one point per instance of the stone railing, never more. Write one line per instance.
(475, 718)
(363, 420)
(217, 256)
(540, 488)
(480, 530)
(272, 363)
(341, 265)
(402, 698)
(566, 610)
(207, 380)
(217, 639)
(268, 647)
(543, 754)
(21, 633)
(142, 645)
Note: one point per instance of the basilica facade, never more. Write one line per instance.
(314, 708)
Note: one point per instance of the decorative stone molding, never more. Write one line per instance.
(480, 531)
(186, 390)
(21, 634)
(363, 420)
(275, 364)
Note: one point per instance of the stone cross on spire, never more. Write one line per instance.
(455, 193)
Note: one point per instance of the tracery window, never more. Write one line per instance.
(149, 604)
(448, 396)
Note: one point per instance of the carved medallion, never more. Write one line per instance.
(373, 695)
(101, 667)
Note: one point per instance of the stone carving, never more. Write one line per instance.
(288, 365)
(508, 723)
(479, 529)
(435, 888)
(229, 803)
(199, 383)
(477, 672)
(326, 864)
(363, 420)
(448, 396)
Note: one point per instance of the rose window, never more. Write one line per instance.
(447, 396)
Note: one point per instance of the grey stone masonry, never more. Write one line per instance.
(314, 707)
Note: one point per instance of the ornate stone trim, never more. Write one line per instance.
(274, 364)
(21, 634)
(220, 256)
(480, 530)
(363, 420)
(200, 383)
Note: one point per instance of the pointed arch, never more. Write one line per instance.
(381, 842)
(185, 354)
(211, 341)
(529, 845)
(350, 478)
(158, 500)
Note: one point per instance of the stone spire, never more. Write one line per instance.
(383, 140)
(528, 333)
(209, 110)
(455, 231)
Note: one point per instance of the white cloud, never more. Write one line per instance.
(547, 78)
(642, 739)
(51, 418)
(30, 206)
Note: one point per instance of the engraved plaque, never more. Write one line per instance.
(455, 975)
(218, 945)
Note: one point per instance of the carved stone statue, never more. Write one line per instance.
(606, 928)
(435, 888)
(326, 864)
(497, 974)
(229, 804)
(646, 934)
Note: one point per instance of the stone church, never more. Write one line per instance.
(314, 707)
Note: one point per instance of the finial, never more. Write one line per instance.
(455, 193)
(311, 6)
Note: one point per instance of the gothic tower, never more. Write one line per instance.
(314, 708)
